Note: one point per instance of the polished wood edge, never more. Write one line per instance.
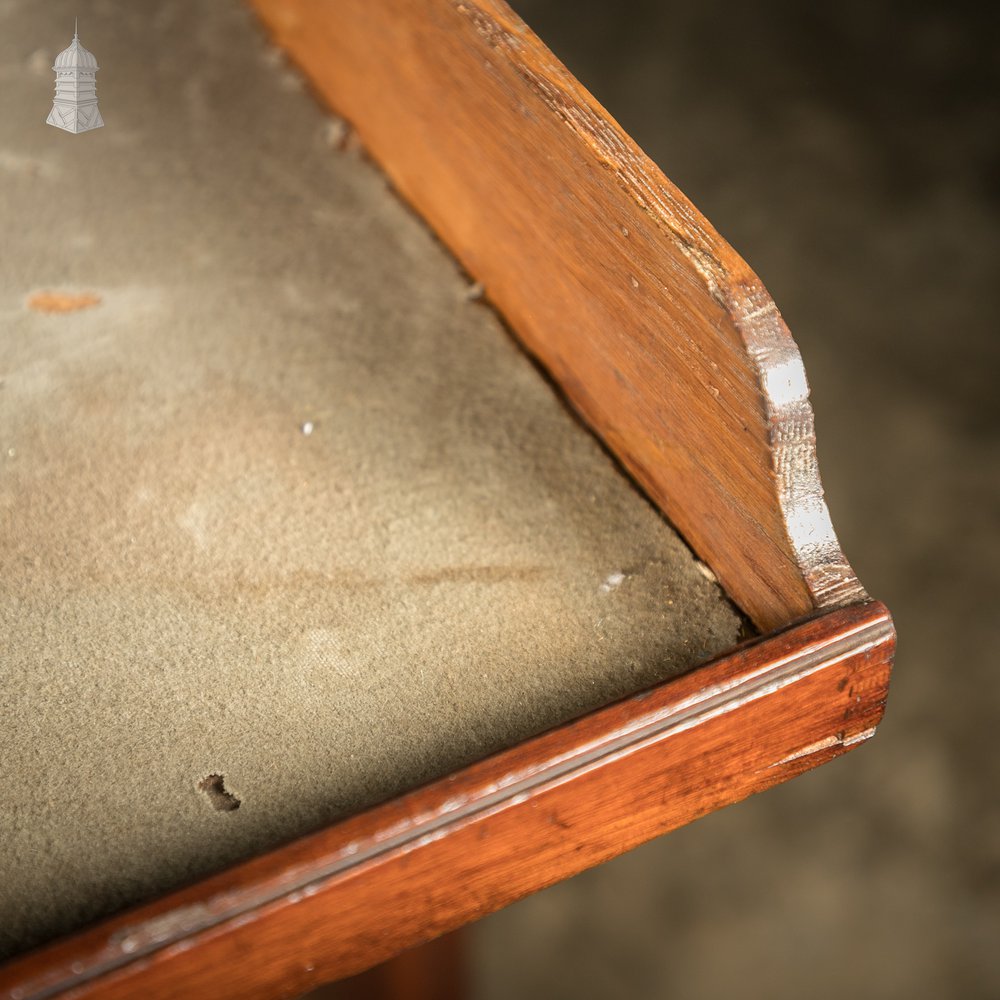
(657, 332)
(339, 901)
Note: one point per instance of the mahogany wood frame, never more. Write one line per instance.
(334, 903)
(655, 329)
(670, 348)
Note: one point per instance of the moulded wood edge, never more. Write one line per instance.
(339, 901)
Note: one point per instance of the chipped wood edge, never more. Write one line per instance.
(781, 374)
(818, 575)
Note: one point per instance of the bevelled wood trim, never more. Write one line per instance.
(334, 903)
(655, 329)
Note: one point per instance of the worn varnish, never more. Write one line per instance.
(656, 330)
(342, 900)
(670, 347)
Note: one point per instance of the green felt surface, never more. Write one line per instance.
(192, 585)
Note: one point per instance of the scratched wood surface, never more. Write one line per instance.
(335, 903)
(668, 345)
(656, 330)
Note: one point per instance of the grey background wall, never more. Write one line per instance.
(849, 151)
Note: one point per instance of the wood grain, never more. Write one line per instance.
(655, 329)
(342, 900)
(669, 346)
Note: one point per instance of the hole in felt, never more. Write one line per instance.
(214, 786)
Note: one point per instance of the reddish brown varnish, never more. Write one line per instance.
(667, 343)
(434, 971)
(342, 900)
(652, 325)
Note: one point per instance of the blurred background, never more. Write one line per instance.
(850, 153)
